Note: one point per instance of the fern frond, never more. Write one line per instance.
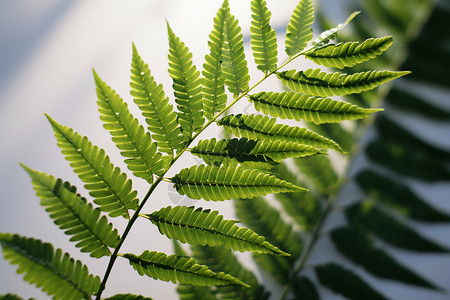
(299, 30)
(214, 98)
(258, 215)
(187, 86)
(319, 172)
(55, 272)
(128, 297)
(330, 34)
(317, 83)
(223, 259)
(290, 105)
(346, 283)
(110, 188)
(399, 197)
(261, 127)
(129, 136)
(206, 227)
(227, 182)
(373, 259)
(349, 54)
(189, 292)
(74, 215)
(234, 65)
(158, 112)
(249, 152)
(372, 218)
(263, 37)
(181, 269)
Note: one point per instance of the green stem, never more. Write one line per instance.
(161, 178)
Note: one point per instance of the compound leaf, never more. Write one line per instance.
(130, 137)
(317, 83)
(110, 188)
(55, 272)
(206, 227)
(74, 215)
(263, 37)
(299, 30)
(178, 269)
(291, 105)
(261, 127)
(349, 54)
(227, 182)
(158, 112)
(187, 86)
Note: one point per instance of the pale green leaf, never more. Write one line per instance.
(206, 227)
(299, 30)
(318, 83)
(227, 182)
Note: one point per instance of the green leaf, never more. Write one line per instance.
(214, 98)
(249, 152)
(261, 217)
(222, 259)
(227, 182)
(187, 86)
(181, 269)
(299, 30)
(189, 292)
(11, 297)
(74, 215)
(234, 65)
(319, 173)
(399, 196)
(55, 272)
(349, 54)
(261, 127)
(304, 289)
(128, 297)
(317, 83)
(373, 259)
(263, 37)
(206, 227)
(330, 34)
(158, 112)
(336, 132)
(346, 283)
(110, 187)
(290, 105)
(370, 217)
(129, 136)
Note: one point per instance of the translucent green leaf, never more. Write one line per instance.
(372, 218)
(263, 37)
(110, 188)
(290, 105)
(178, 269)
(249, 152)
(234, 66)
(55, 272)
(336, 132)
(330, 34)
(206, 227)
(222, 259)
(74, 215)
(129, 136)
(187, 86)
(346, 283)
(189, 292)
(158, 112)
(373, 259)
(278, 267)
(349, 54)
(214, 98)
(319, 173)
(261, 127)
(317, 83)
(299, 30)
(128, 297)
(399, 196)
(227, 182)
